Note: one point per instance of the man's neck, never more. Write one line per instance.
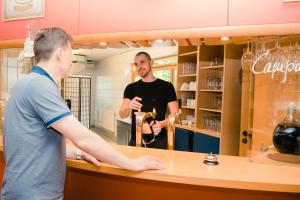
(149, 78)
(48, 67)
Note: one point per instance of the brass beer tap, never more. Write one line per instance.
(140, 118)
(173, 118)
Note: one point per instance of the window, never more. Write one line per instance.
(164, 68)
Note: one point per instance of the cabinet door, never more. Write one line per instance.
(249, 12)
(205, 143)
(183, 139)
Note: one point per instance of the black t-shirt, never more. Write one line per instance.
(155, 94)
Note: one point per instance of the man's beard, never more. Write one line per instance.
(143, 73)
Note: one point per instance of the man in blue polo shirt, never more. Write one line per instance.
(37, 121)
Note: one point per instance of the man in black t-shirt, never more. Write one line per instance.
(146, 94)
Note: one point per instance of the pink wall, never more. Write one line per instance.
(56, 15)
(244, 12)
(118, 15)
(94, 16)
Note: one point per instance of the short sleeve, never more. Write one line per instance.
(129, 92)
(171, 94)
(46, 101)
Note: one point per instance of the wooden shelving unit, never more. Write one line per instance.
(188, 75)
(217, 79)
(208, 90)
(189, 53)
(210, 110)
(186, 90)
(187, 57)
(186, 107)
(219, 67)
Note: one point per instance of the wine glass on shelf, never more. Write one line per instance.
(291, 59)
(277, 54)
(261, 56)
(205, 121)
(209, 82)
(218, 102)
(292, 53)
(247, 58)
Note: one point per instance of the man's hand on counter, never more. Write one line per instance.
(145, 163)
(90, 159)
(136, 164)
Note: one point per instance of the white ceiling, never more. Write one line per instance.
(99, 54)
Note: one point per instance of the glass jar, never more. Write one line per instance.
(286, 136)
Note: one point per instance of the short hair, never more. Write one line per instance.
(143, 53)
(47, 40)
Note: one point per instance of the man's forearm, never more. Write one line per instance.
(101, 150)
(97, 147)
(90, 143)
(124, 112)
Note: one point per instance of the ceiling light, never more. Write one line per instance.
(224, 38)
(103, 43)
(159, 41)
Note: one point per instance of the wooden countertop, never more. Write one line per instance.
(188, 168)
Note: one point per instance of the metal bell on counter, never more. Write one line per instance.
(211, 159)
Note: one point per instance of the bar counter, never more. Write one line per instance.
(185, 177)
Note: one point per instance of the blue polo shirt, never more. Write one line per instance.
(35, 154)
